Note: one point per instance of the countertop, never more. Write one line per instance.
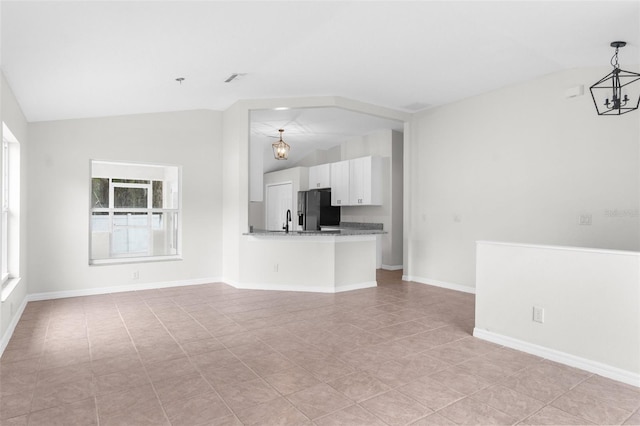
(331, 233)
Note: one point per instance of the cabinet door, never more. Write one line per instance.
(324, 175)
(340, 183)
(319, 176)
(357, 187)
(365, 181)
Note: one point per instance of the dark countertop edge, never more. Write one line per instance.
(341, 233)
(359, 225)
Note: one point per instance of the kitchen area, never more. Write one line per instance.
(330, 214)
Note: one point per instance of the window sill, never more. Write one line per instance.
(124, 260)
(8, 288)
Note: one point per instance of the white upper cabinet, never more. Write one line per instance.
(357, 182)
(340, 183)
(365, 181)
(320, 176)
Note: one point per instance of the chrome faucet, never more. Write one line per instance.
(286, 227)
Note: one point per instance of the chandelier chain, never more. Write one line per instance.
(614, 60)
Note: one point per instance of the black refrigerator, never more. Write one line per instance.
(315, 210)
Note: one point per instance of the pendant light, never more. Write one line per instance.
(280, 148)
(616, 93)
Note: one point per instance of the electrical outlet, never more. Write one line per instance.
(135, 275)
(584, 219)
(275, 267)
(538, 314)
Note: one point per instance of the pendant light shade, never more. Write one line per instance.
(618, 92)
(280, 148)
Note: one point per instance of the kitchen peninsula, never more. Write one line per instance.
(315, 261)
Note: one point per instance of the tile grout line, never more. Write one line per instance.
(39, 371)
(274, 317)
(225, 346)
(477, 391)
(95, 397)
(144, 366)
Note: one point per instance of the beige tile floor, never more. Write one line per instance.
(401, 353)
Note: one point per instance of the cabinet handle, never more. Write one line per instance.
(339, 201)
(318, 185)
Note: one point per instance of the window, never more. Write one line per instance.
(10, 205)
(135, 212)
(4, 273)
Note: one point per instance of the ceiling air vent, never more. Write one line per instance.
(233, 77)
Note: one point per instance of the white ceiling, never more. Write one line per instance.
(75, 59)
(72, 59)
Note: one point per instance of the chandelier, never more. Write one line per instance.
(615, 93)
(280, 148)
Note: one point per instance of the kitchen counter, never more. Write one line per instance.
(314, 261)
(325, 233)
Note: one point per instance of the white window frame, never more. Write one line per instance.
(148, 186)
(10, 213)
(111, 210)
(4, 249)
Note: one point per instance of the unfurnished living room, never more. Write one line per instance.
(320, 213)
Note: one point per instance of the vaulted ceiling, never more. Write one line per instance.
(73, 59)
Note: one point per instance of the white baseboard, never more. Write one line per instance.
(357, 286)
(443, 284)
(118, 289)
(232, 283)
(314, 289)
(599, 368)
(12, 326)
(392, 267)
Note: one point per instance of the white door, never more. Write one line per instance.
(279, 200)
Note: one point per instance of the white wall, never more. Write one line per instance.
(396, 255)
(591, 302)
(235, 188)
(320, 156)
(11, 114)
(519, 164)
(59, 173)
